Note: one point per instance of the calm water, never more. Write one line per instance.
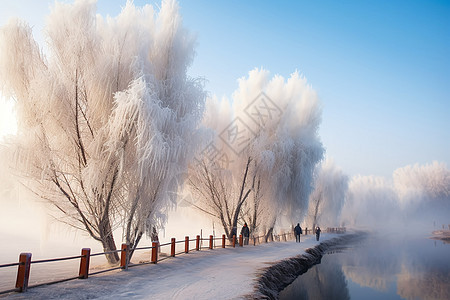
(379, 268)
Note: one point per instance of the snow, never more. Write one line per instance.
(228, 273)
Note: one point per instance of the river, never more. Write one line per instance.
(392, 266)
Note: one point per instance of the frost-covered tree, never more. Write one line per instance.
(253, 208)
(273, 124)
(422, 182)
(107, 118)
(221, 195)
(371, 202)
(424, 192)
(418, 195)
(328, 197)
(285, 119)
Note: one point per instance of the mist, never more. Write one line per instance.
(328, 197)
(415, 199)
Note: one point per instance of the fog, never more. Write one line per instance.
(416, 198)
(379, 266)
(27, 223)
(329, 194)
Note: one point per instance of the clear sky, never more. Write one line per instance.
(381, 68)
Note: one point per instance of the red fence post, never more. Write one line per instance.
(124, 257)
(223, 240)
(234, 240)
(241, 240)
(197, 243)
(23, 272)
(155, 247)
(84, 263)
(172, 247)
(211, 242)
(186, 244)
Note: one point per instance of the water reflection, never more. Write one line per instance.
(380, 267)
(323, 281)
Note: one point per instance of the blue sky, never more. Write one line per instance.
(381, 68)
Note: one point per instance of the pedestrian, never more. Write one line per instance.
(318, 233)
(245, 233)
(155, 238)
(297, 232)
(233, 232)
(154, 235)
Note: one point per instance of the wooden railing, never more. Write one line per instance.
(25, 261)
(336, 229)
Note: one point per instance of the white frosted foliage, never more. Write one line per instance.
(108, 117)
(415, 183)
(273, 123)
(417, 195)
(328, 197)
(371, 202)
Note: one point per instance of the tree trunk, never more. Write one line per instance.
(269, 235)
(133, 246)
(109, 245)
(316, 212)
(241, 198)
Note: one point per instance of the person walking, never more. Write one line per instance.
(155, 238)
(245, 233)
(234, 232)
(318, 233)
(297, 232)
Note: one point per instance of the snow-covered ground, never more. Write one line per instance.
(228, 273)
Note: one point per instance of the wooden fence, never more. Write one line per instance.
(25, 261)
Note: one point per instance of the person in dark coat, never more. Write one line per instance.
(318, 233)
(234, 232)
(155, 238)
(245, 233)
(297, 232)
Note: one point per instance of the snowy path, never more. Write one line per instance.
(207, 274)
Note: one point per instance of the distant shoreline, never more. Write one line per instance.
(442, 235)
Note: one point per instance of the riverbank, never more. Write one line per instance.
(442, 235)
(275, 278)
